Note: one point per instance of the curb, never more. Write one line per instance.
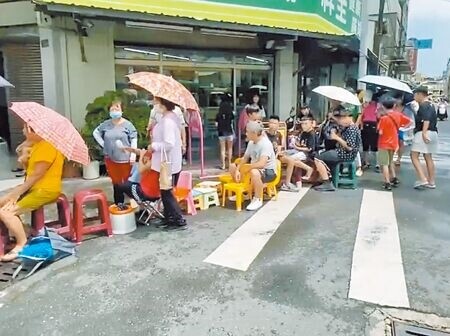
(12, 292)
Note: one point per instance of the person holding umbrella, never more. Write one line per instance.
(112, 135)
(166, 146)
(51, 137)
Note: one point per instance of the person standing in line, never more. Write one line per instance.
(224, 124)
(109, 134)
(368, 125)
(425, 140)
(166, 145)
(256, 105)
(409, 107)
(156, 116)
(391, 120)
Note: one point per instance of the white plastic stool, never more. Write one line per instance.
(210, 197)
(211, 184)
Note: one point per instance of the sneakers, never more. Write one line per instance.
(255, 204)
(387, 186)
(430, 186)
(289, 187)
(420, 185)
(122, 207)
(326, 186)
(395, 182)
(377, 169)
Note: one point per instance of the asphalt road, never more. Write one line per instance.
(156, 283)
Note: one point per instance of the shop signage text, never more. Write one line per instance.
(345, 14)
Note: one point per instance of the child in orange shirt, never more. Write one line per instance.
(388, 142)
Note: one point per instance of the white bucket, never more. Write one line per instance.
(123, 223)
(91, 171)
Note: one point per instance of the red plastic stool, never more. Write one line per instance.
(63, 226)
(81, 198)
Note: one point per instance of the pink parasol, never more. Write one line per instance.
(54, 128)
(168, 88)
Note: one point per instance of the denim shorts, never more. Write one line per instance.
(226, 137)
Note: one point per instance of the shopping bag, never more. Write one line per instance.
(165, 172)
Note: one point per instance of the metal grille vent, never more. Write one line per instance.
(404, 329)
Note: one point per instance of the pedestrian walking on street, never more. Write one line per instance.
(425, 140)
(109, 134)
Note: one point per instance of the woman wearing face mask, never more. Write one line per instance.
(166, 142)
(112, 135)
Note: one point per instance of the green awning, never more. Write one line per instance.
(333, 17)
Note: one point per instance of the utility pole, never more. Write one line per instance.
(379, 31)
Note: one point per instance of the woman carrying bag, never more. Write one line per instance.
(167, 160)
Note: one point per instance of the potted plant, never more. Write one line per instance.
(97, 112)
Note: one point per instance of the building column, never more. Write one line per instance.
(71, 82)
(365, 39)
(54, 73)
(286, 63)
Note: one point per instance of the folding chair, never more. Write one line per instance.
(151, 210)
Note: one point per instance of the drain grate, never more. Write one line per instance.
(404, 329)
(6, 272)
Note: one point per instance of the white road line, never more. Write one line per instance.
(244, 245)
(377, 269)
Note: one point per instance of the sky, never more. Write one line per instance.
(431, 19)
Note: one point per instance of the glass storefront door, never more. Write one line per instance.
(208, 76)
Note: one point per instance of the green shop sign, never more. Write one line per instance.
(345, 14)
(338, 17)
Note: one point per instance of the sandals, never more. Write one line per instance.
(11, 255)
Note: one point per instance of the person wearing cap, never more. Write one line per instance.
(425, 140)
(260, 162)
(348, 142)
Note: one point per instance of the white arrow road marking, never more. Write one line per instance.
(244, 245)
(377, 269)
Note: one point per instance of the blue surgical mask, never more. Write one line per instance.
(115, 114)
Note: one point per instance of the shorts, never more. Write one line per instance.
(35, 199)
(419, 146)
(226, 138)
(385, 157)
(268, 175)
(369, 135)
(299, 156)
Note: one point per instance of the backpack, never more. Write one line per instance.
(42, 251)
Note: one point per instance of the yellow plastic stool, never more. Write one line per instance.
(234, 188)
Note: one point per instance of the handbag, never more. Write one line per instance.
(165, 172)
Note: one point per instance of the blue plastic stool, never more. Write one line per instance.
(345, 175)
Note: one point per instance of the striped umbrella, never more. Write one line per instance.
(54, 128)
